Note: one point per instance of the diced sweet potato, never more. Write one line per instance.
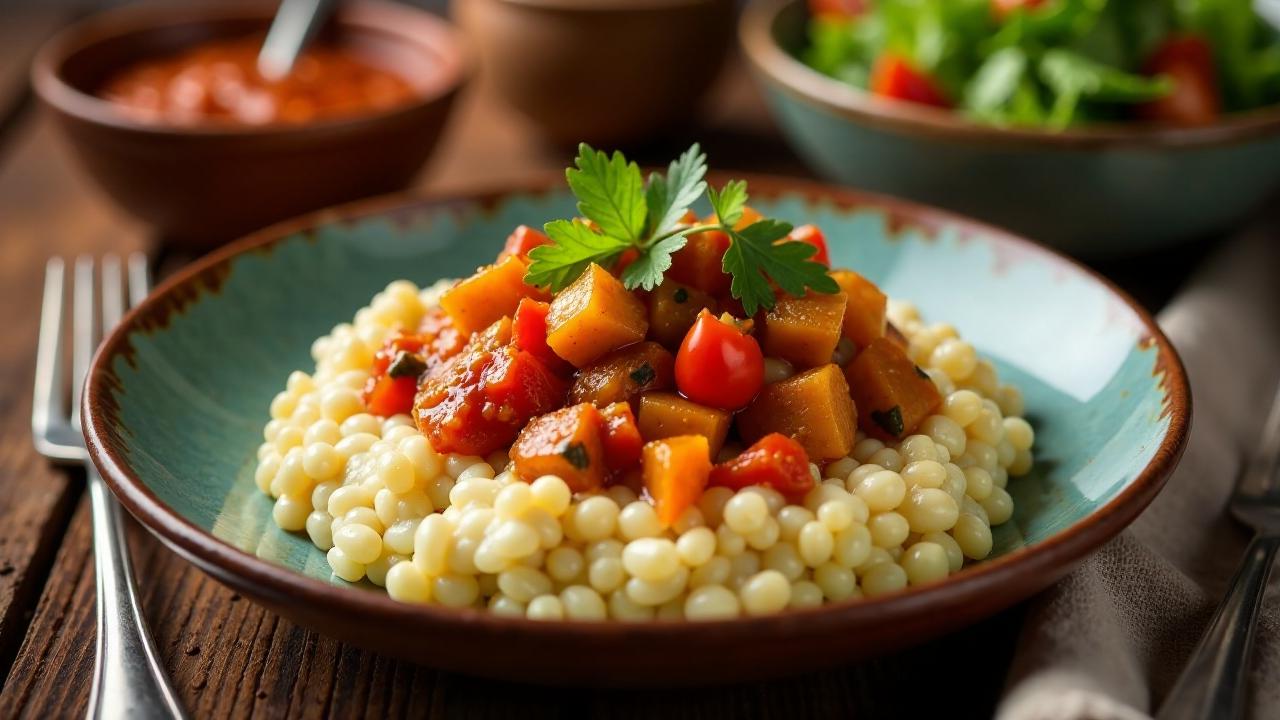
(594, 315)
(622, 440)
(567, 443)
(664, 415)
(675, 473)
(864, 315)
(699, 263)
(618, 376)
(813, 407)
(893, 395)
(492, 292)
(672, 309)
(804, 330)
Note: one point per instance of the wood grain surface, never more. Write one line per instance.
(230, 658)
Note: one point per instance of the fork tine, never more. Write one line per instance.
(84, 331)
(49, 399)
(139, 284)
(112, 292)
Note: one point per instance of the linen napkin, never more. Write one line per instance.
(1108, 642)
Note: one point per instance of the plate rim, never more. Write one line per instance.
(991, 585)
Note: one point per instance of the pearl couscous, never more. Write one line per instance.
(466, 531)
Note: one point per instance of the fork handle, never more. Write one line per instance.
(129, 680)
(1213, 682)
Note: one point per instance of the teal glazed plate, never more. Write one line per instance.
(178, 395)
(1102, 190)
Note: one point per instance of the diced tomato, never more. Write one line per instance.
(810, 234)
(775, 460)
(700, 263)
(529, 333)
(1195, 99)
(675, 474)
(837, 8)
(387, 396)
(624, 261)
(893, 76)
(521, 241)
(688, 218)
(517, 384)
(622, 441)
(1005, 8)
(718, 365)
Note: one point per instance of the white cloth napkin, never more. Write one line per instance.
(1107, 642)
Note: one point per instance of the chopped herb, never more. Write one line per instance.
(628, 214)
(643, 375)
(889, 420)
(577, 456)
(922, 373)
(680, 296)
(406, 364)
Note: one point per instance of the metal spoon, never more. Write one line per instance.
(295, 23)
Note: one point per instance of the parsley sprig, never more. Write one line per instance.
(627, 213)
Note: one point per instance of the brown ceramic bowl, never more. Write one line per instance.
(206, 184)
(601, 71)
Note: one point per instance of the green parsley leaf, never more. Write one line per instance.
(574, 246)
(577, 456)
(669, 197)
(646, 272)
(729, 202)
(610, 192)
(889, 420)
(753, 259)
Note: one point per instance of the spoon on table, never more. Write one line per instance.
(295, 23)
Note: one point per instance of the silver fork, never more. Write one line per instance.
(128, 679)
(1213, 682)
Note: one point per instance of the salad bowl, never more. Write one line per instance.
(178, 394)
(1099, 190)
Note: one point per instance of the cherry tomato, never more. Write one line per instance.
(894, 77)
(521, 241)
(1005, 8)
(774, 460)
(1194, 100)
(836, 8)
(813, 236)
(718, 365)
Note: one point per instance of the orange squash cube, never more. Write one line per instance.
(864, 316)
(594, 315)
(672, 309)
(629, 371)
(493, 292)
(567, 443)
(664, 415)
(804, 330)
(814, 408)
(676, 470)
(893, 395)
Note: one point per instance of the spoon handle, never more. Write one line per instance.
(295, 23)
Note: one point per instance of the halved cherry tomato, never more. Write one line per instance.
(529, 333)
(718, 365)
(811, 235)
(836, 8)
(775, 460)
(521, 241)
(894, 77)
(1194, 100)
(1005, 8)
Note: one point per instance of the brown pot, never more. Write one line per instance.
(203, 185)
(605, 72)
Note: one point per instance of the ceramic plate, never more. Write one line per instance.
(179, 392)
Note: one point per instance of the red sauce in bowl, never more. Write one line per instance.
(217, 82)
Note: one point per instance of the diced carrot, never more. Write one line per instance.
(567, 443)
(622, 441)
(892, 394)
(521, 241)
(676, 470)
(492, 292)
(774, 460)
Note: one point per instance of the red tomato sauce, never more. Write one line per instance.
(218, 82)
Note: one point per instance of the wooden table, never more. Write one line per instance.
(228, 657)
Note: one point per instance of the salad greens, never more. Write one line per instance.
(1053, 63)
